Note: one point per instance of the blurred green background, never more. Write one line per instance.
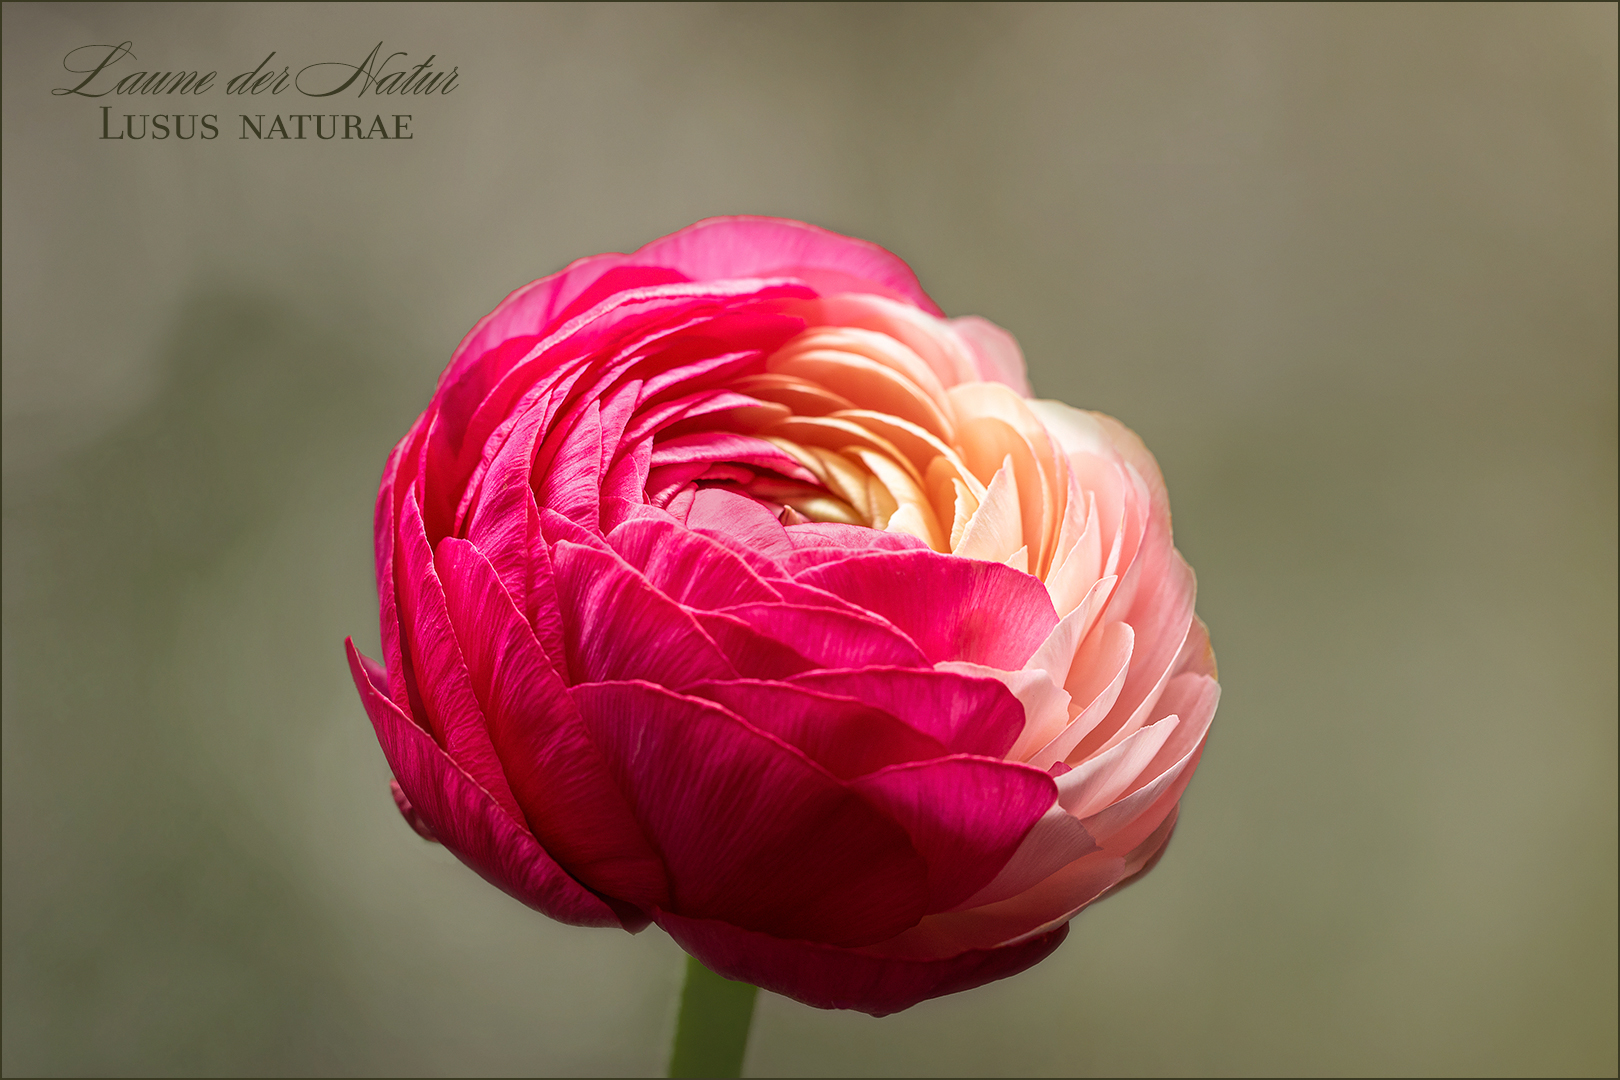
(1349, 270)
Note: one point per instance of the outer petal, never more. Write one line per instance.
(456, 718)
(752, 831)
(557, 775)
(995, 352)
(967, 815)
(761, 247)
(830, 978)
(531, 310)
(465, 819)
(829, 637)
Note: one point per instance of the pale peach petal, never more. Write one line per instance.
(845, 479)
(927, 336)
(1099, 674)
(996, 351)
(910, 520)
(875, 346)
(962, 511)
(867, 382)
(804, 397)
(919, 446)
(994, 400)
(1019, 560)
(996, 529)
(907, 495)
(1076, 571)
(954, 493)
(985, 444)
(840, 434)
(1098, 781)
(1056, 840)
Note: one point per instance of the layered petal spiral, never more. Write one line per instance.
(730, 586)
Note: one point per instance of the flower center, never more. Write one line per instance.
(966, 469)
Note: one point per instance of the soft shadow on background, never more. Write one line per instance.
(1350, 271)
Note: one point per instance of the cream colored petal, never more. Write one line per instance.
(867, 383)
(840, 434)
(962, 512)
(803, 397)
(923, 333)
(911, 520)
(878, 347)
(906, 492)
(845, 479)
(919, 445)
(1072, 578)
(826, 508)
(1001, 402)
(985, 442)
(996, 530)
(881, 502)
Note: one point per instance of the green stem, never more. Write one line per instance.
(712, 1031)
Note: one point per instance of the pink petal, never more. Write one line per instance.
(718, 446)
(841, 541)
(753, 833)
(995, 351)
(1029, 914)
(1095, 682)
(560, 781)
(761, 247)
(846, 737)
(464, 817)
(831, 978)
(616, 280)
(746, 523)
(1128, 822)
(920, 331)
(688, 567)
(966, 815)
(504, 519)
(617, 626)
(452, 708)
(753, 654)
(1096, 782)
(830, 638)
(1194, 698)
(530, 310)
(1055, 841)
(1160, 616)
(955, 609)
(571, 483)
(967, 714)
(1046, 706)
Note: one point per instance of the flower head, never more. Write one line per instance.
(730, 586)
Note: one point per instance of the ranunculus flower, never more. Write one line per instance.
(728, 585)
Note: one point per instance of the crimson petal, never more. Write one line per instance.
(830, 978)
(559, 778)
(751, 830)
(953, 608)
(464, 817)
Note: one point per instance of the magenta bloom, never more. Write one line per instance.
(727, 585)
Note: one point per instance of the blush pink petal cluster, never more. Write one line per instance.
(728, 585)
